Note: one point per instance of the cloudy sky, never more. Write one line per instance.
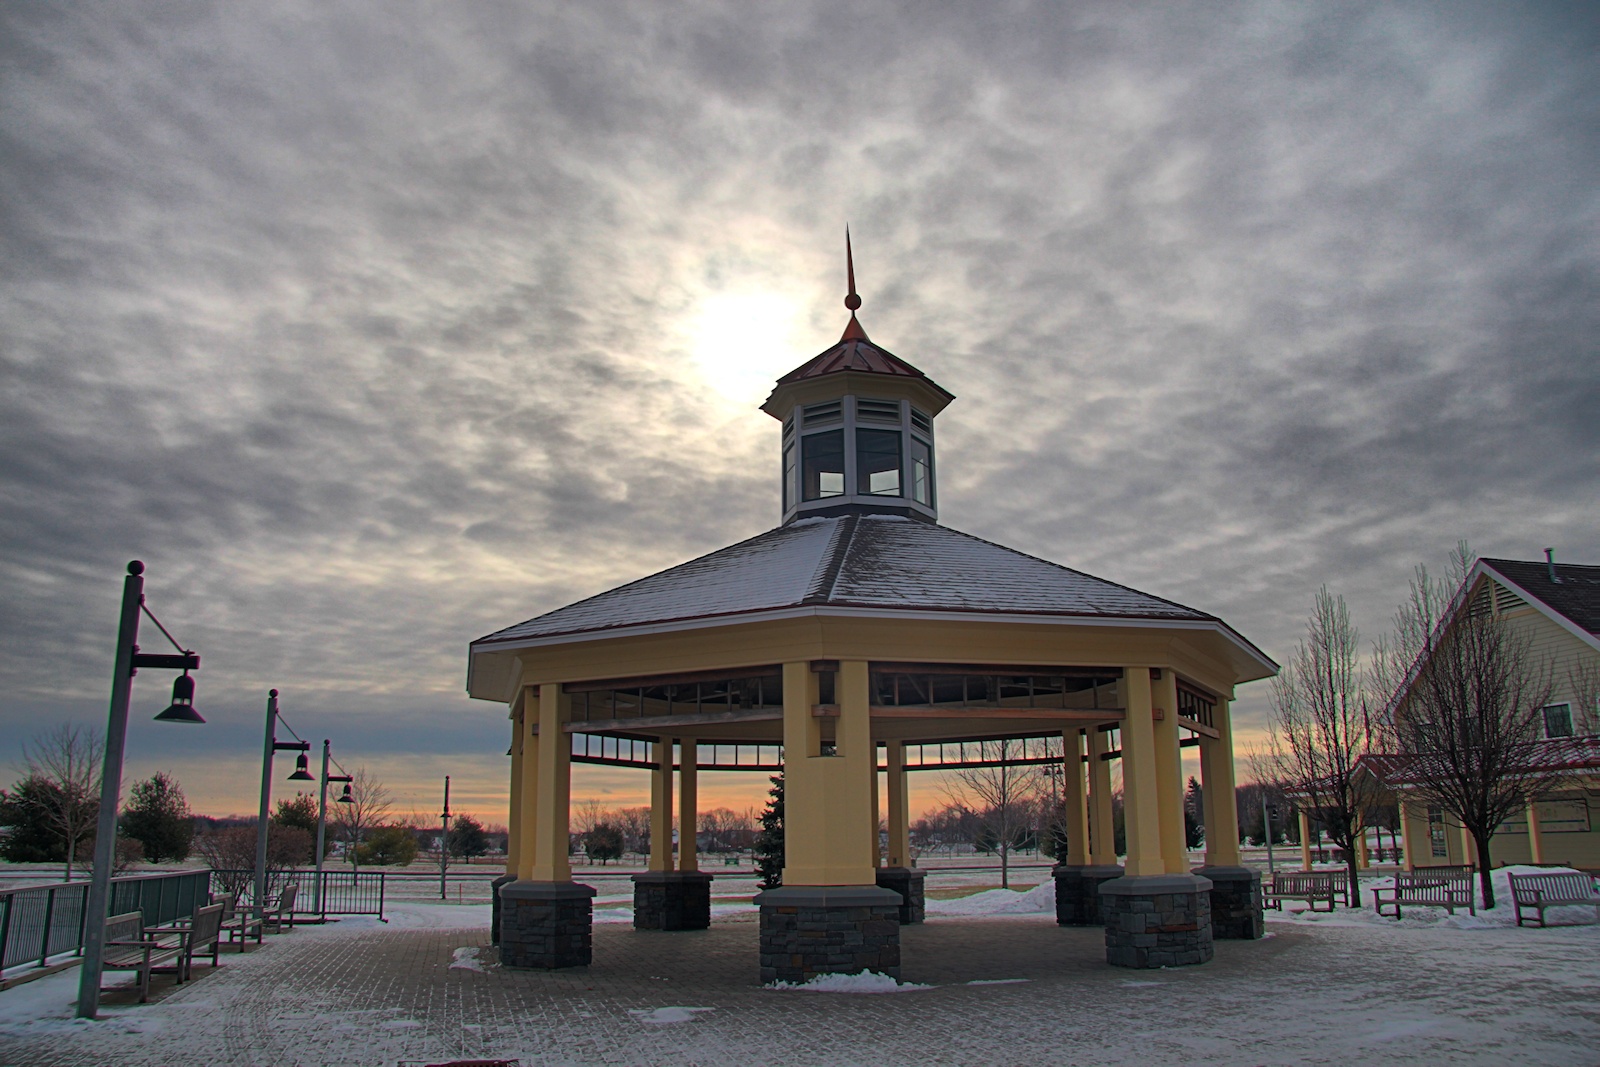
(372, 328)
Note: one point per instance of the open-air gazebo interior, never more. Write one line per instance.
(861, 640)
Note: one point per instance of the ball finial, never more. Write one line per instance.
(853, 302)
(135, 567)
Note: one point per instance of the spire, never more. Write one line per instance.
(853, 331)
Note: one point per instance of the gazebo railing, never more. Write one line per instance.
(40, 921)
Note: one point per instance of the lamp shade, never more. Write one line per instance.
(301, 774)
(345, 797)
(182, 707)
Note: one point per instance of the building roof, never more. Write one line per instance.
(1559, 755)
(857, 354)
(873, 562)
(1576, 597)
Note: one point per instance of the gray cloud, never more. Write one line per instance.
(369, 329)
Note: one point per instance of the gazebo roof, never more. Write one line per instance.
(871, 563)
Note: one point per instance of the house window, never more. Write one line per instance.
(822, 464)
(921, 472)
(878, 462)
(1558, 720)
(1437, 845)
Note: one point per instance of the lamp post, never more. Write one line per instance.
(301, 774)
(322, 812)
(129, 660)
(1266, 819)
(444, 842)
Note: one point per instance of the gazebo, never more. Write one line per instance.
(861, 637)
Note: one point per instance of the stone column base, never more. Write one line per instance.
(1157, 920)
(1235, 902)
(546, 925)
(1078, 893)
(908, 882)
(671, 900)
(809, 930)
(494, 906)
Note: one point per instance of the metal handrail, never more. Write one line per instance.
(41, 921)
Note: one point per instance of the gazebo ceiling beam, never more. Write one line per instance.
(634, 723)
(1073, 715)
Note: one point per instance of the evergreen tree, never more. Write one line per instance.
(769, 843)
(467, 838)
(25, 812)
(389, 846)
(300, 812)
(158, 818)
(1194, 830)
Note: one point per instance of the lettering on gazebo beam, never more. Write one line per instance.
(922, 711)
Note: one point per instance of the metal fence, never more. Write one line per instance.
(40, 921)
(342, 892)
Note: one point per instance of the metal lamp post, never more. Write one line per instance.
(322, 811)
(129, 660)
(1266, 818)
(301, 774)
(444, 842)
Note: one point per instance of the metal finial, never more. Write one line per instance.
(852, 300)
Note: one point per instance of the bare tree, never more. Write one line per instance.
(1001, 795)
(1583, 678)
(69, 759)
(586, 815)
(369, 806)
(1320, 728)
(635, 826)
(1466, 699)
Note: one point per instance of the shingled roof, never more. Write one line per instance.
(863, 561)
(1576, 597)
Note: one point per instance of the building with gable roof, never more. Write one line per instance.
(1556, 608)
(856, 641)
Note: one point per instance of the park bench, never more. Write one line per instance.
(281, 909)
(1448, 887)
(239, 925)
(130, 947)
(203, 933)
(1537, 892)
(1309, 886)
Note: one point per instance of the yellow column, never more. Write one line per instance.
(827, 799)
(1102, 829)
(899, 809)
(1169, 771)
(1363, 860)
(1305, 840)
(550, 861)
(1218, 790)
(1408, 854)
(1535, 836)
(528, 798)
(1141, 785)
(661, 806)
(1469, 850)
(1075, 811)
(688, 804)
(514, 814)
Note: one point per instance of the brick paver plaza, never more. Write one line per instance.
(360, 994)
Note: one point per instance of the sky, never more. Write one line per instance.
(374, 328)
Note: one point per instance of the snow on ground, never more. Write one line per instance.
(865, 982)
(1039, 900)
(666, 1015)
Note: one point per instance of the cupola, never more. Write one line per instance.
(857, 428)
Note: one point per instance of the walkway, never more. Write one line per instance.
(360, 993)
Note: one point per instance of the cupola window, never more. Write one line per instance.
(878, 462)
(822, 464)
(921, 471)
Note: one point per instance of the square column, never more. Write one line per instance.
(546, 919)
(829, 916)
(1305, 840)
(1077, 880)
(1102, 829)
(528, 795)
(1235, 889)
(664, 899)
(1408, 856)
(660, 806)
(513, 822)
(898, 874)
(1535, 835)
(1153, 918)
(1169, 769)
